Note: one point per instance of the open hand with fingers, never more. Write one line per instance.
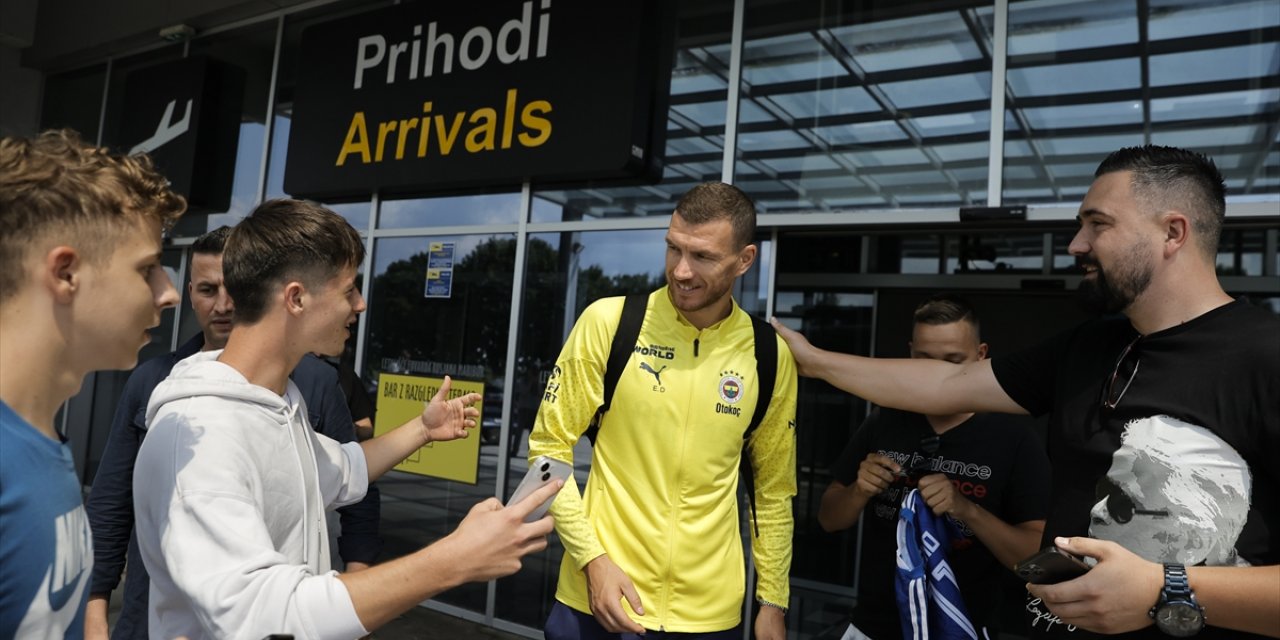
(445, 418)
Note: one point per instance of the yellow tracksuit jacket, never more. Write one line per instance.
(661, 497)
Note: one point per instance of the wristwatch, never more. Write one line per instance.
(1176, 612)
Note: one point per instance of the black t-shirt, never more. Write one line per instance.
(996, 462)
(1183, 469)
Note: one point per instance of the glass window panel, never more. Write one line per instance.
(859, 52)
(912, 178)
(827, 103)
(1231, 104)
(464, 335)
(1051, 26)
(975, 176)
(1187, 111)
(887, 157)
(707, 114)
(1084, 115)
(1240, 252)
(763, 140)
(861, 133)
(930, 198)
(932, 91)
(958, 152)
(1078, 77)
(953, 124)
(691, 76)
(1215, 138)
(802, 164)
(1021, 172)
(1182, 18)
(1082, 169)
(786, 58)
(1216, 65)
(915, 41)
(690, 144)
(1096, 145)
(702, 34)
(502, 208)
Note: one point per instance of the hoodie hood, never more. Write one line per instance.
(202, 375)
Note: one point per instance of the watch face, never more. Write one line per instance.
(1179, 619)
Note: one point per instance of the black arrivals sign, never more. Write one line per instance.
(431, 96)
(186, 115)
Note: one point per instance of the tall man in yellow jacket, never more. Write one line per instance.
(653, 546)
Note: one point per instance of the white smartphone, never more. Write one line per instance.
(542, 472)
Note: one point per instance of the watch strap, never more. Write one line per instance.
(1176, 585)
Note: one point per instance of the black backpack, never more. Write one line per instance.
(624, 341)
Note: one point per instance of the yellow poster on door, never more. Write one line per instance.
(401, 397)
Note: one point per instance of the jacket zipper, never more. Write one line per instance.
(671, 521)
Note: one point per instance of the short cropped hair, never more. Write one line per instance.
(213, 242)
(281, 241)
(946, 308)
(1171, 178)
(57, 187)
(711, 201)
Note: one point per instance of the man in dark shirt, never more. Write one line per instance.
(1163, 423)
(110, 504)
(988, 472)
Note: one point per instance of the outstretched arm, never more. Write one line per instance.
(932, 387)
(442, 419)
(487, 544)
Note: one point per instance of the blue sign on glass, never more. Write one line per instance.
(439, 283)
(440, 255)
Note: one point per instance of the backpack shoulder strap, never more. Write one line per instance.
(766, 348)
(624, 341)
(766, 369)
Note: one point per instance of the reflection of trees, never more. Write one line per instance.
(471, 326)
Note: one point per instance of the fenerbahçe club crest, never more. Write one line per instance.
(730, 392)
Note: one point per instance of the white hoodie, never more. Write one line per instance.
(230, 490)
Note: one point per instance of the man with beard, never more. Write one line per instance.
(653, 542)
(1182, 353)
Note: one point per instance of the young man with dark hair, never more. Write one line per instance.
(986, 472)
(653, 543)
(231, 483)
(110, 503)
(80, 285)
(1163, 424)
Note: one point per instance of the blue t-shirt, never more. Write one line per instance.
(45, 546)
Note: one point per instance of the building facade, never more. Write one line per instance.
(860, 128)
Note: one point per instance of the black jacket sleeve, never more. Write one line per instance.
(110, 504)
(329, 415)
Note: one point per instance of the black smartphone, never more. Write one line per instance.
(1051, 566)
